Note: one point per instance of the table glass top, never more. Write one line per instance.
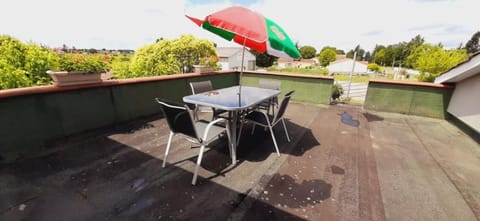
(231, 98)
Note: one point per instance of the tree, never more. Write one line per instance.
(420, 51)
(473, 45)
(350, 54)
(394, 54)
(23, 65)
(432, 60)
(307, 52)
(64, 48)
(326, 56)
(368, 57)
(375, 51)
(360, 53)
(379, 56)
(414, 43)
(329, 47)
(263, 59)
(172, 56)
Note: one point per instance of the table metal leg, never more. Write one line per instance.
(232, 126)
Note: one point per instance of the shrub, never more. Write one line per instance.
(121, 69)
(337, 91)
(173, 56)
(374, 67)
(88, 63)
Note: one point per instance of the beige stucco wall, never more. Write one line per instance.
(465, 102)
(235, 61)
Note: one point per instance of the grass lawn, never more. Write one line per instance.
(337, 77)
(355, 78)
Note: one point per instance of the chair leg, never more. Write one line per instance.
(274, 141)
(253, 129)
(199, 161)
(169, 143)
(285, 128)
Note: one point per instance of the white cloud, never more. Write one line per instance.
(343, 24)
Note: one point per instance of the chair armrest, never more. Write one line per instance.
(209, 125)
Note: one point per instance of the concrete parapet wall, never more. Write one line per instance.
(33, 117)
(308, 88)
(414, 98)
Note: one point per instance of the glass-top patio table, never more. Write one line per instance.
(234, 101)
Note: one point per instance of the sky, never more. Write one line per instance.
(127, 24)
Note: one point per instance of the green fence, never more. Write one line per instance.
(422, 99)
(310, 89)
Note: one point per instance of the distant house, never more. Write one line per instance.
(230, 58)
(464, 103)
(344, 65)
(290, 63)
(407, 71)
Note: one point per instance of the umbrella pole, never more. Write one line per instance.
(241, 73)
(243, 58)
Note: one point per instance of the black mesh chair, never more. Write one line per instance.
(200, 87)
(180, 121)
(271, 103)
(268, 121)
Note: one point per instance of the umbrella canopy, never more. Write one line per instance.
(251, 30)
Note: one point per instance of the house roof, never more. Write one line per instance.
(348, 59)
(304, 61)
(226, 52)
(462, 71)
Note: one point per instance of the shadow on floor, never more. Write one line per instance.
(372, 117)
(98, 178)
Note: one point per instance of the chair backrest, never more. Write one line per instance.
(283, 106)
(269, 84)
(179, 119)
(201, 86)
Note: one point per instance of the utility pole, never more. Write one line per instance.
(351, 73)
(393, 70)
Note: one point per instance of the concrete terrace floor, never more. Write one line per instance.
(390, 167)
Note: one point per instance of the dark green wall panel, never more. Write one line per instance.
(310, 90)
(30, 122)
(408, 99)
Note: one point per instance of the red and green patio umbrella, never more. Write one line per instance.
(250, 29)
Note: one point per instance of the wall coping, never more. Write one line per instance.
(290, 75)
(412, 83)
(108, 83)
